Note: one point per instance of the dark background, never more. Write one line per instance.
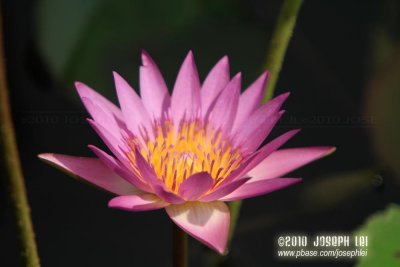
(336, 66)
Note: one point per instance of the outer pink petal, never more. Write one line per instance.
(214, 83)
(256, 129)
(104, 118)
(250, 100)
(257, 188)
(135, 114)
(119, 169)
(153, 90)
(208, 222)
(223, 113)
(258, 156)
(284, 161)
(115, 144)
(137, 202)
(91, 170)
(195, 186)
(185, 99)
(85, 91)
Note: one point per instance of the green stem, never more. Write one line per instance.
(279, 43)
(12, 167)
(275, 56)
(180, 247)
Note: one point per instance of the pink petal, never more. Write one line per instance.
(138, 202)
(254, 159)
(113, 143)
(135, 114)
(185, 99)
(256, 129)
(214, 83)
(103, 117)
(119, 169)
(208, 222)
(250, 100)
(153, 90)
(269, 148)
(195, 186)
(257, 188)
(284, 161)
(222, 114)
(85, 91)
(91, 170)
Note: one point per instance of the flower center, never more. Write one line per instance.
(176, 153)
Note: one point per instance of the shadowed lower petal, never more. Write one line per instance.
(196, 185)
(138, 202)
(206, 221)
(91, 170)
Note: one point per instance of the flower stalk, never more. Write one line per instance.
(12, 167)
(279, 43)
(179, 247)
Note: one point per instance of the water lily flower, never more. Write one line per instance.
(189, 152)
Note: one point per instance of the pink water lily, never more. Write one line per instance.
(188, 152)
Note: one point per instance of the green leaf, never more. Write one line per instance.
(383, 231)
(86, 40)
(383, 109)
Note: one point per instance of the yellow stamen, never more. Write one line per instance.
(176, 154)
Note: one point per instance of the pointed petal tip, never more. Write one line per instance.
(224, 60)
(330, 150)
(81, 88)
(78, 84)
(238, 76)
(296, 131)
(45, 156)
(146, 58)
(113, 203)
(264, 75)
(189, 57)
(93, 148)
(116, 75)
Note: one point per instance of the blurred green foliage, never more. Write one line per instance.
(86, 40)
(383, 88)
(383, 231)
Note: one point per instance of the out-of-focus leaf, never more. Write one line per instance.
(383, 107)
(78, 39)
(383, 231)
(383, 88)
(332, 190)
(86, 40)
